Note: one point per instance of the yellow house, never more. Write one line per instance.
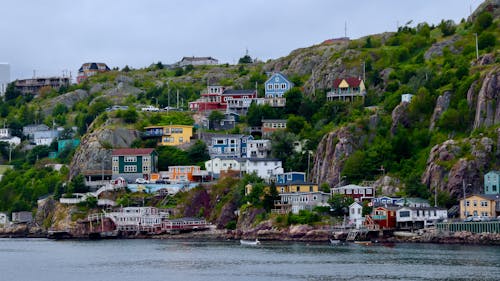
(347, 89)
(171, 135)
(289, 187)
(480, 205)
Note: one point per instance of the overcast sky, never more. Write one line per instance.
(51, 36)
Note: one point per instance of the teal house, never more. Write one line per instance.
(134, 163)
(492, 182)
(63, 144)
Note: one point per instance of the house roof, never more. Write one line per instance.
(132, 151)
(423, 208)
(238, 92)
(485, 196)
(352, 81)
(196, 58)
(274, 120)
(493, 172)
(278, 73)
(296, 183)
(350, 186)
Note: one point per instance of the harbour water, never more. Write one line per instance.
(49, 260)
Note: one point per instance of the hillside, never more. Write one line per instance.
(449, 134)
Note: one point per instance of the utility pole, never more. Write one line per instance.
(465, 203)
(364, 67)
(177, 104)
(435, 196)
(477, 49)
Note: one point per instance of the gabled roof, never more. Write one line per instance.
(485, 196)
(352, 81)
(279, 74)
(132, 151)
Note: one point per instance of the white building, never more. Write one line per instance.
(297, 201)
(356, 214)
(4, 77)
(22, 217)
(198, 61)
(258, 148)
(358, 193)
(132, 218)
(411, 217)
(5, 133)
(4, 219)
(45, 137)
(217, 165)
(13, 141)
(265, 168)
(406, 98)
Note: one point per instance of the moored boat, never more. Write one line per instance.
(250, 242)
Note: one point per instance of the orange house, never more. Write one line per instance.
(385, 217)
(182, 173)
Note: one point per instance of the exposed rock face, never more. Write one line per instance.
(400, 117)
(471, 95)
(453, 163)
(488, 101)
(442, 104)
(93, 156)
(332, 152)
(119, 93)
(387, 185)
(68, 99)
(437, 48)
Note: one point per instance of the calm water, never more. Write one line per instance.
(47, 260)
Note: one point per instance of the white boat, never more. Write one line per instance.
(335, 242)
(250, 242)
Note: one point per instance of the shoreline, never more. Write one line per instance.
(455, 238)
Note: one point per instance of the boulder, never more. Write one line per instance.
(437, 48)
(68, 99)
(400, 117)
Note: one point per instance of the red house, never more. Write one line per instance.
(385, 217)
(221, 98)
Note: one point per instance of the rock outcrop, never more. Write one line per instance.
(442, 104)
(68, 99)
(453, 164)
(94, 153)
(488, 101)
(332, 152)
(437, 48)
(400, 117)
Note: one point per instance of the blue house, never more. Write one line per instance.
(277, 85)
(290, 177)
(226, 145)
(492, 182)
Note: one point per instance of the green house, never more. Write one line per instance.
(134, 163)
(492, 182)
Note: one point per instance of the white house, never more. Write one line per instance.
(45, 137)
(419, 217)
(265, 168)
(4, 219)
(258, 148)
(29, 130)
(198, 61)
(14, 141)
(356, 214)
(406, 98)
(358, 193)
(22, 217)
(220, 164)
(297, 201)
(5, 133)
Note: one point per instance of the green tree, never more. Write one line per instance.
(130, 115)
(447, 27)
(245, 59)
(340, 203)
(77, 185)
(295, 124)
(11, 93)
(198, 152)
(215, 116)
(483, 21)
(485, 40)
(293, 100)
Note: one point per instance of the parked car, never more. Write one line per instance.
(160, 181)
(150, 108)
(141, 181)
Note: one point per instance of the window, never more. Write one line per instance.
(484, 203)
(475, 203)
(494, 188)
(283, 86)
(467, 203)
(130, 159)
(115, 159)
(115, 169)
(130, 168)
(404, 214)
(276, 86)
(219, 141)
(145, 169)
(359, 211)
(311, 189)
(145, 159)
(181, 139)
(269, 86)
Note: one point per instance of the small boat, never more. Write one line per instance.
(250, 242)
(364, 243)
(335, 242)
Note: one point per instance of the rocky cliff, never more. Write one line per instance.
(94, 152)
(331, 154)
(488, 100)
